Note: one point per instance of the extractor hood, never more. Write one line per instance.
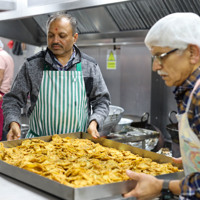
(25, 19)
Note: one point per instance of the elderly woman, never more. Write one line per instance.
(174, 42)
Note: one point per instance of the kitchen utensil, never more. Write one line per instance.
(172, 128)
(114, 116)
(123, 122)
(24, 130)
(138, 121)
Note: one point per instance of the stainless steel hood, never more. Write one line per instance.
(24, 20)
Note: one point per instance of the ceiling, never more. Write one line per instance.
(24, 20)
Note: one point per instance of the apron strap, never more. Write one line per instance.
(33, 133)
(78, 67)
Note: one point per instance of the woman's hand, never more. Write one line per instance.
(147, 187)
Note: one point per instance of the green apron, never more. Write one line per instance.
(61, 106)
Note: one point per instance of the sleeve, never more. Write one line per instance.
(16, 98)
(190, 186)
(99, 98)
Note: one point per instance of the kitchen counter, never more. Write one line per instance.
(12, 189)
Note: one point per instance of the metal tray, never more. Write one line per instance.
(84, 193)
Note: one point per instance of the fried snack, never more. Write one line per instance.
(79, 162)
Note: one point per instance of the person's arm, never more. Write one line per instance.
(177, 160)
(1, 76)
(92, 129)
(149, 187)
(1, 80)
(190, 186)
(14, 131)
(16, 99)
(99, 98)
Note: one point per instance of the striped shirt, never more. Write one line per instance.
(182, 94)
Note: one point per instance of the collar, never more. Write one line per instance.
(68, 64)
(49, 57)
(188, 84)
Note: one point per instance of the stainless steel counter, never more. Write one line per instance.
(11, 189)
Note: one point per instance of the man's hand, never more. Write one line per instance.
(92, 129)
(14, 132)
(177, 160)
(147, 186)
(1, 97)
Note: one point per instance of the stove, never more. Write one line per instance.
(137, 137)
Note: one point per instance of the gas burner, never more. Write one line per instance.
(137, 137)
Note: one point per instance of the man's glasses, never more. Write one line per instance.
(160, 57)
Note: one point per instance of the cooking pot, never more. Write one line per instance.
(114, 116)
(132, 120)
(24, 130)
(123, 122)
(173, 128)
(138, 121)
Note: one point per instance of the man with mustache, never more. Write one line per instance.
(66, 88)
(174, 42)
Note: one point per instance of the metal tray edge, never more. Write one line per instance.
(84, 193)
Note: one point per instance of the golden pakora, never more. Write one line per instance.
(79, 162)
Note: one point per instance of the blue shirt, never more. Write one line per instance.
(59, 66)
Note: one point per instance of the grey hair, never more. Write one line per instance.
(59, 15)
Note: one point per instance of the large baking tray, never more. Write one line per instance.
(84, 193)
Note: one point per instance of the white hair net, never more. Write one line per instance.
(176, 30)
(1, 44)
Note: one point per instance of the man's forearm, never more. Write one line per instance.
(174, 187)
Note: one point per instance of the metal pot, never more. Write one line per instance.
(24, 130)
(123, 122)
(132, 120)
(138, 121)
(173, 131)
(114, 116)
(173, 128)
